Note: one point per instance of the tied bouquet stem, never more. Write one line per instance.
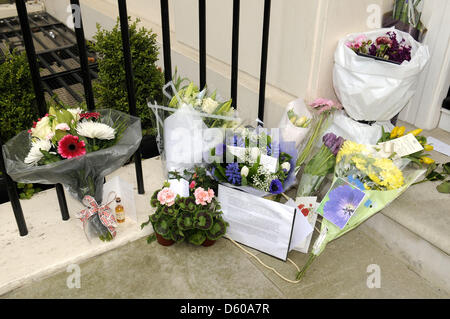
(320, 165)
(319, 123)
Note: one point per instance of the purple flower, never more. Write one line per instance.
(333, 142)
(276, 187)
(342, 203)
(233, 173)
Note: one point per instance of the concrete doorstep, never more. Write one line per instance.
(36, 266)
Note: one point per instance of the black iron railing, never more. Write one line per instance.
(86, 76)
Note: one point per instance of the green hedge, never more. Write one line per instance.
(17, 105)
(110, 89)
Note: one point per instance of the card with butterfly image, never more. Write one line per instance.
(341, 202)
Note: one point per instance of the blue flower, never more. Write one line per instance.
(273, 149)
(233, 173)
(276, 187)
(342, 203)
(236, 140)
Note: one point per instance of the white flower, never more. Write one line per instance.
(286, 166)
(35, 155)
(244, 171)
(62, 127)
(254, 153)
(76, 113)
(209, 105)
(95, 130)
(42, 129)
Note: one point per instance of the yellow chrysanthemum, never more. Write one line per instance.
(348, 148)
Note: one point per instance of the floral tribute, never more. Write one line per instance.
(74, 148)
(65, 134)
(200, 101)
(196, 218)
(241, 160)
(365, 181)
(386, 47)
(323, 109)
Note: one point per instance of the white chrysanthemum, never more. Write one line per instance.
(35, 154)
(209, 105)
(96, 130)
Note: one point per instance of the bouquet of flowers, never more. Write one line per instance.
(371, 89)
(322, 110)
(364, 183)
(320, 165)
(386, 47)
(194, 216)
(254, 160)
(74, 148)
(182, 122)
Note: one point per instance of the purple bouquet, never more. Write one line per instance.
(386, 47)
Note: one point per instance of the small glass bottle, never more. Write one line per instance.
(120, 212)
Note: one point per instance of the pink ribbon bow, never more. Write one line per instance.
(103, 211)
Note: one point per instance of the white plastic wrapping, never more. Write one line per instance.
(374, 90)
(352, 130)
(289, 131)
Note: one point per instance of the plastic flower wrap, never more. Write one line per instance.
(364, 183)
(182, 122)
(254, 160)
(74, 148)
(320, 165)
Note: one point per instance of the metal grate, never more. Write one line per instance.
(57, 53)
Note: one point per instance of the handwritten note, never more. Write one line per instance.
(402, 146)
(268, 162)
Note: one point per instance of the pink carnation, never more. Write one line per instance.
(202, 197)
(322, 102)
(166, 196)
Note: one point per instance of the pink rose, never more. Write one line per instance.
(203, 197)
(166, 196)
(384, 40)
(192, 185)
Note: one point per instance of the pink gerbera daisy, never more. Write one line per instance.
(70, 146)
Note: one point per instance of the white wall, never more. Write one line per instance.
(302, 40)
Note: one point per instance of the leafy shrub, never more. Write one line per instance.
(110, 91)
(17, 103)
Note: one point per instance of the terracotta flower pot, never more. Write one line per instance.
(164, 242)
(208, 242)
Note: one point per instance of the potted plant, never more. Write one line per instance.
(196, 218)
(110, 90)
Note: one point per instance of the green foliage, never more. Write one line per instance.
(17, 105)
(438, 172)
(185, 220)
(110, 91)
(27, 190)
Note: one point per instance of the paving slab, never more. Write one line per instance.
(342, 272)
(141, 270)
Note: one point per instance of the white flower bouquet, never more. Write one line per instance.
(182, 123)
